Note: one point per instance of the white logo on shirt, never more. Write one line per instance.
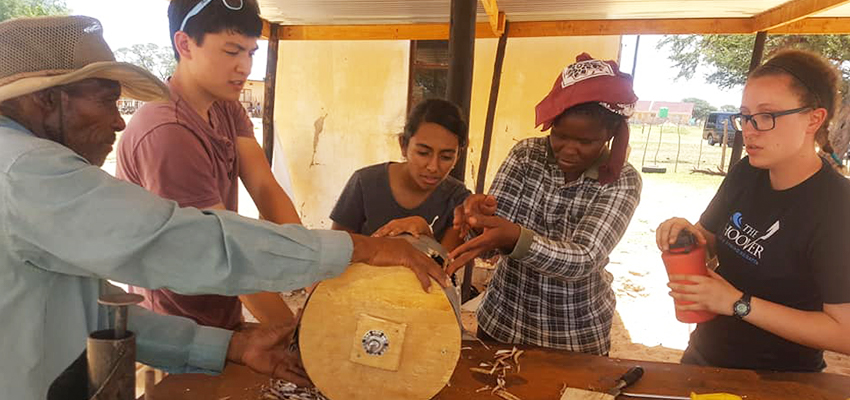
(746, 240)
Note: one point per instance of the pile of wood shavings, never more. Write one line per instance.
(283, 390)
(499, 367)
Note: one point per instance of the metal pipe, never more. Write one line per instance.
(111, 366)
(111, 353)
(461, 58)
(491, 110)
(120, 322)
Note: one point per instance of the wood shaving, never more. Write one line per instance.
(500, 367)
(283, 390)
(506, 395)
(481, 370)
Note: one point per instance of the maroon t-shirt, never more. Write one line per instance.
(170, 150)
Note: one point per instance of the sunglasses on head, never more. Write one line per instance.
(200, 7)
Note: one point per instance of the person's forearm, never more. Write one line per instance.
(275, 206)
(177, 344)
(268, 308)
(814, 329)
(363, 248)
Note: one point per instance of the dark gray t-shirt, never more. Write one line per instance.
(367, 202)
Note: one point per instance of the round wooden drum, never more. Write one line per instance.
(373, 333)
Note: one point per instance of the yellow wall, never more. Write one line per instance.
(356, 92)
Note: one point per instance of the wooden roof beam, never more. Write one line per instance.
(496, 17)
(266, 32)
(631, 27)
(792, 11)
(815, 26)
(562, 28)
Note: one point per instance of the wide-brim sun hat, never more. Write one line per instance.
(40, 53)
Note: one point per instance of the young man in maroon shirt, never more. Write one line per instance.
(195, 148)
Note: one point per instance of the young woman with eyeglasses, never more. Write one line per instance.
(778, 226)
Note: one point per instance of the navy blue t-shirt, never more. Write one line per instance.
(785, 246)
(367, 202)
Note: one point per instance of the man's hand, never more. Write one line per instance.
(499, 233)
(267, 350)
(386, 252)
(474, 205)
(414, 225)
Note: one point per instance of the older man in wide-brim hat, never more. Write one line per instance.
(66, 226)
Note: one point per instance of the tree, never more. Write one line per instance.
(728, 56)
(31, 8)
(157, 59)
(729, 108)
(701, 107)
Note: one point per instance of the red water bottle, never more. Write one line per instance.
(687, 257)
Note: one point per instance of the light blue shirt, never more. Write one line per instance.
(65, 226)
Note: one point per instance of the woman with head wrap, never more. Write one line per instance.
(556, 209)
(779, 226)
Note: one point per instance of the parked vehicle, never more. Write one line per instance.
(713, 128)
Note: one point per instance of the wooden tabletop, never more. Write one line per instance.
(543, 374)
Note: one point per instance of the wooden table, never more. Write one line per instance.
(544, 372)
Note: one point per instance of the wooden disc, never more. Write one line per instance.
(373, 333)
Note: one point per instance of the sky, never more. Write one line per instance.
(128, 22)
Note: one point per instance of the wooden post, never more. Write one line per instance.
(699, 157)
(461, 58)
(634, 63)
(646, 145)
(723, 144)
(268, 101)
(150, 383)
(657, 149)
(459, 90)
(679, 147)
(758, 52)
(491, 110)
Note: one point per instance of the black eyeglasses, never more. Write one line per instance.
(761, 121)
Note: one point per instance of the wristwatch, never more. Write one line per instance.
(741, 308)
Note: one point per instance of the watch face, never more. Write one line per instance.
(740, 308)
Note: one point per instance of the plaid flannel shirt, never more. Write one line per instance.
(553, 290)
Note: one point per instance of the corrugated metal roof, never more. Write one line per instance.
(840, 11)
(345, 12)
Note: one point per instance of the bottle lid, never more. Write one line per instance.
(685, 243)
